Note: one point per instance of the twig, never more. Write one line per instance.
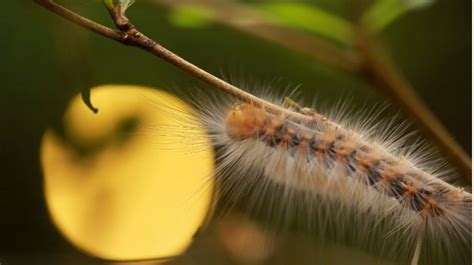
(369, 63)
(82, 21)
(131, 36)
(381, 72)
(242, 18)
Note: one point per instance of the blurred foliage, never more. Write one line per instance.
(190, 16)
(384, 12)
(310, 18)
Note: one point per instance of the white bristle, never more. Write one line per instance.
(291, 186)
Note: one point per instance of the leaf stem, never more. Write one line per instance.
(382, 73)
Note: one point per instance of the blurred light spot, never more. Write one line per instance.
(244, 241)
(135, 197)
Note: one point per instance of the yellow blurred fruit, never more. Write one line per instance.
(119, 191)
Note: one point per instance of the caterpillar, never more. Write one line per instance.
(341, 182)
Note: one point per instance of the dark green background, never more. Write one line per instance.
(431, 46)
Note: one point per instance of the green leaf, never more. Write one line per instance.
(110, 4)
(120, 5)
(310, 18)
(384, 12)
(125, 4)
(191, 16)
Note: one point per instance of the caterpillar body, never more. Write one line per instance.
(341, 182)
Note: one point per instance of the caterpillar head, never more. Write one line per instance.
(244, 120)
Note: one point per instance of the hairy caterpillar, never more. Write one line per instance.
(344, 184)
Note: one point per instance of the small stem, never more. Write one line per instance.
(130, 35)
(380, 72)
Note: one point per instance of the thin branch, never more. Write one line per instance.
(250, 21)
(79, 20)
(131, 36)
(369, 63)
(381, 72)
